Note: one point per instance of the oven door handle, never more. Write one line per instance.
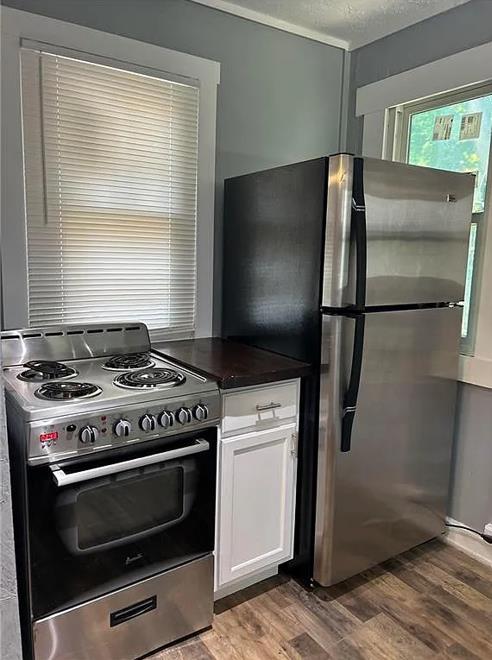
(63, 479)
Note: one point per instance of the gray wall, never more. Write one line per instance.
(279, 97)
(453, 31)
(10, 645)
(471, 493)
(456, 30)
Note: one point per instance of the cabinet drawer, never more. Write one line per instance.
(256, 408)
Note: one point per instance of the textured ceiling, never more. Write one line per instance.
(355, 22)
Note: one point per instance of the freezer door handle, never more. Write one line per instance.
(352, 393)
(359, 233)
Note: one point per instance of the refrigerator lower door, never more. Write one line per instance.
(383, 489)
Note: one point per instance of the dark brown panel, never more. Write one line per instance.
(230, 363)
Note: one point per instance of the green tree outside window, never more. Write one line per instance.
(458, 153)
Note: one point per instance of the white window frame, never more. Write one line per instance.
(131, 55)
(395, 147)
(397, 125)
(469, 68)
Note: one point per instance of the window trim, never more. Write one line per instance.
(395, 147)
(397, 140)
(469, 68)
(19, 26)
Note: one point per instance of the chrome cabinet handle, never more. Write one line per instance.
(267, 406)
(63, 479)
(294, 445)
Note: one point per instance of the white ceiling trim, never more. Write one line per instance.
(264, 19)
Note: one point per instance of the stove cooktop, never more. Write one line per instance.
(89, 384)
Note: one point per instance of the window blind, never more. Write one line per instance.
(111, 194)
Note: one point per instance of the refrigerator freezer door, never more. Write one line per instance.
(417, 226)
(418, 223)
(387, 493)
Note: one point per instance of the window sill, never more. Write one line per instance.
(475, 371)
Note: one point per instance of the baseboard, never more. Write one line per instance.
(469, 543)
(242, 583)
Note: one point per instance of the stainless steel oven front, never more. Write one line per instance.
(120, 547)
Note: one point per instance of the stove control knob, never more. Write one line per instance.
(183, 415)
(166, 419)
(122, 428)
(200, 412)
(88, 434)
(148, 423)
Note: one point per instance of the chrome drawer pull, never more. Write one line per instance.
(267, 406)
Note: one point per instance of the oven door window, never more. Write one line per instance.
(125, 508)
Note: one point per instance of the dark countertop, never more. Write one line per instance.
(230, 363)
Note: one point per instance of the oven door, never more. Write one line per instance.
(100, 524)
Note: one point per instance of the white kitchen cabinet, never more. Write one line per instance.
(256, 485)
(256, 501)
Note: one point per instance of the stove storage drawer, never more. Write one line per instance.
(133, 621)
(260, 407)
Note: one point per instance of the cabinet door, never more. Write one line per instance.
(257, 494)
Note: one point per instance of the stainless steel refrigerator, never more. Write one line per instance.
(357, 265)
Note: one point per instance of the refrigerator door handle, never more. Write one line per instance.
(350, 399)
(359, 232)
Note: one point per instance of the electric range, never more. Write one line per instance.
(113, 454)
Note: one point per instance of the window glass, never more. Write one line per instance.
(127, 507)
(470, 271)
(454, 137)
